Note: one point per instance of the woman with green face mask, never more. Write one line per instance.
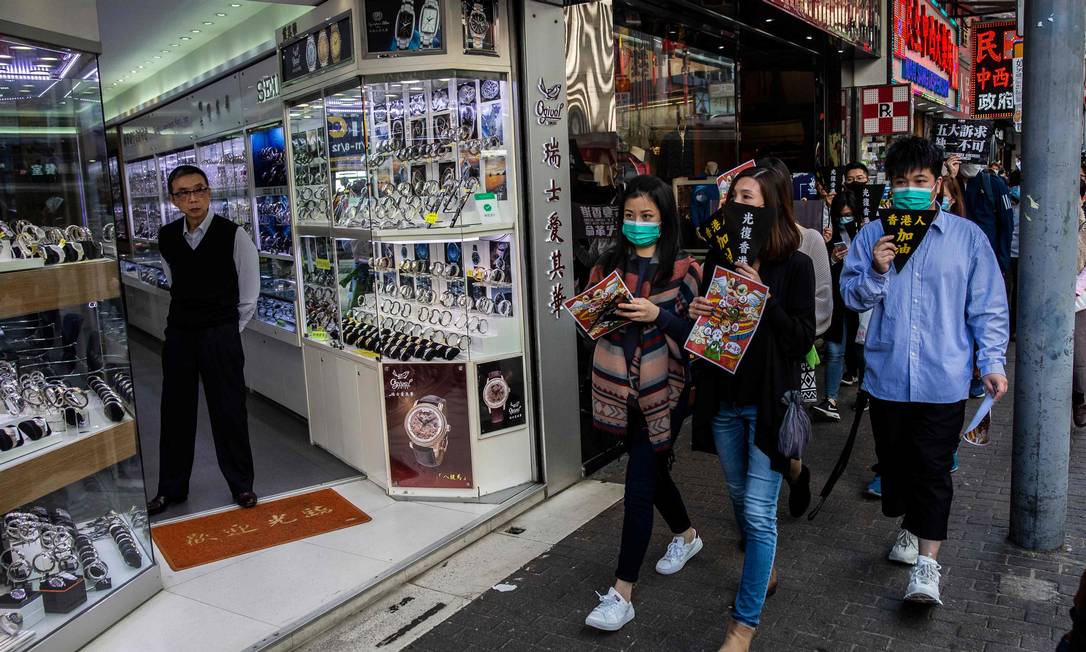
(646, 407)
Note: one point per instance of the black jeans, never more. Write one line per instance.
(915, 443)
(214, 356)
(648, 483)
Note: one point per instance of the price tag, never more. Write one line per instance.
(318, 334)
(323, 263)
(431, 218)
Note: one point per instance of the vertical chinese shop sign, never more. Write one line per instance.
(545, 156)
(992, 85)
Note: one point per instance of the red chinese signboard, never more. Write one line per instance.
(886, 109)
(991, 92)
(925, 50)
(856, 21)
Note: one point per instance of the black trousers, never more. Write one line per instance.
(214, 356)
(648, 484)
(915, 443)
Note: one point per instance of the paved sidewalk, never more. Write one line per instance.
(837, 591)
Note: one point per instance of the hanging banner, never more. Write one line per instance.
(991, 88)
(886, 110)
(908, 229)
(966, 138)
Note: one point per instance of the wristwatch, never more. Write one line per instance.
(477, 25)
(311, 53)
(405, 24)
(496, 395)
(429, 21)
(428, 430)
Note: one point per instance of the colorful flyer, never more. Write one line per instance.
(724, 181)
(908, 229)
(723, 337)
(595, 309)
(976, 433)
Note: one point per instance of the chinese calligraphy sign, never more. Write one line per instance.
(992, 87)
(966, 138)
(738, 231)
(908, 229)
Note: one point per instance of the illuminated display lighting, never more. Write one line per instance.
(930, 61)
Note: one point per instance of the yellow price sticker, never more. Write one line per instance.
(323, 263)
(431, 218)
(318, 334)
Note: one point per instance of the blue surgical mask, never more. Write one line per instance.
(845, 219)
(912, 198)
(641, 234)
(945, 205)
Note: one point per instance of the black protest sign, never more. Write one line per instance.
(738, 231)
(831, 178)
(869, 194)
(966, 138)
(908, 229)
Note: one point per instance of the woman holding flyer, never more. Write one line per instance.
(640, 374)
(738, 415)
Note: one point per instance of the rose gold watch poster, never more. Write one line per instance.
(501, 394)
(426, 414)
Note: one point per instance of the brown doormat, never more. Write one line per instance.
(205, 539)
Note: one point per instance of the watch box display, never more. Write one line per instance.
(278, 295)
(309, 157)
(319, 289)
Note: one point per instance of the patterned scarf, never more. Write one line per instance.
(658, 373)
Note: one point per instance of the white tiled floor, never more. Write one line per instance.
(232, 604)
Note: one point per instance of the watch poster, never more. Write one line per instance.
(908, 229)
(317, 50)
(426, 414)
(501, 394)
(398, 27)
(479, 19)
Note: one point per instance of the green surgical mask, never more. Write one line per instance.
(641, 234)
(913, 199)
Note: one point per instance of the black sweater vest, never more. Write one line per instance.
(204, 281)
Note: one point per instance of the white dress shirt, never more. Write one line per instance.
(246, 262)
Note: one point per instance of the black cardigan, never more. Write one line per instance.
(839, 308)
(788, 332)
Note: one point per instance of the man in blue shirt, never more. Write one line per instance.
(919, 353)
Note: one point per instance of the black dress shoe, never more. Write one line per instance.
(245, 499)
(159, 503)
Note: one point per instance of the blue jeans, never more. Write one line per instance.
(835, 362)
(754, 488)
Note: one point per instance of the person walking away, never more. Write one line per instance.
(1078, 396)
(640, 377)
(214, 275)
(739, 416)
(919, 352)
(843, 214)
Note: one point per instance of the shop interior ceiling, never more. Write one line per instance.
(154, 47)
(980, 8)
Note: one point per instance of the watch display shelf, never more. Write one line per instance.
(320, 303)
(433, 144)
(166, 164)
(144, 199)
(311, 197)
(226, 164)
(277, 303)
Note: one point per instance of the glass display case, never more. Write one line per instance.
(320, 309)
(74, 534)
(274, 237)
(227, 170)
(144, 199)
(309, 158)
(166, 163)
(278, 296)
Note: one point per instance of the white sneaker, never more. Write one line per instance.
(924, 582)
(678, 553)
(905, 549)
(611, 613)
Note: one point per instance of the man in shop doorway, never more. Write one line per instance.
(214, 276)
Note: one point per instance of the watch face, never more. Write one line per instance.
(311, 53)
(405, 25)
(336, 44)
(322, 48)
(439, 100)
(395, 108)
(467, 94)
(495, 392)
(417, 104)
(428, 20)
(425, 424)
(490, 90)
(478, 22)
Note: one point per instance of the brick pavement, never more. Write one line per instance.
(837, 591)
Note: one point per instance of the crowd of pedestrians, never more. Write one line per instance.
(932, 335)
